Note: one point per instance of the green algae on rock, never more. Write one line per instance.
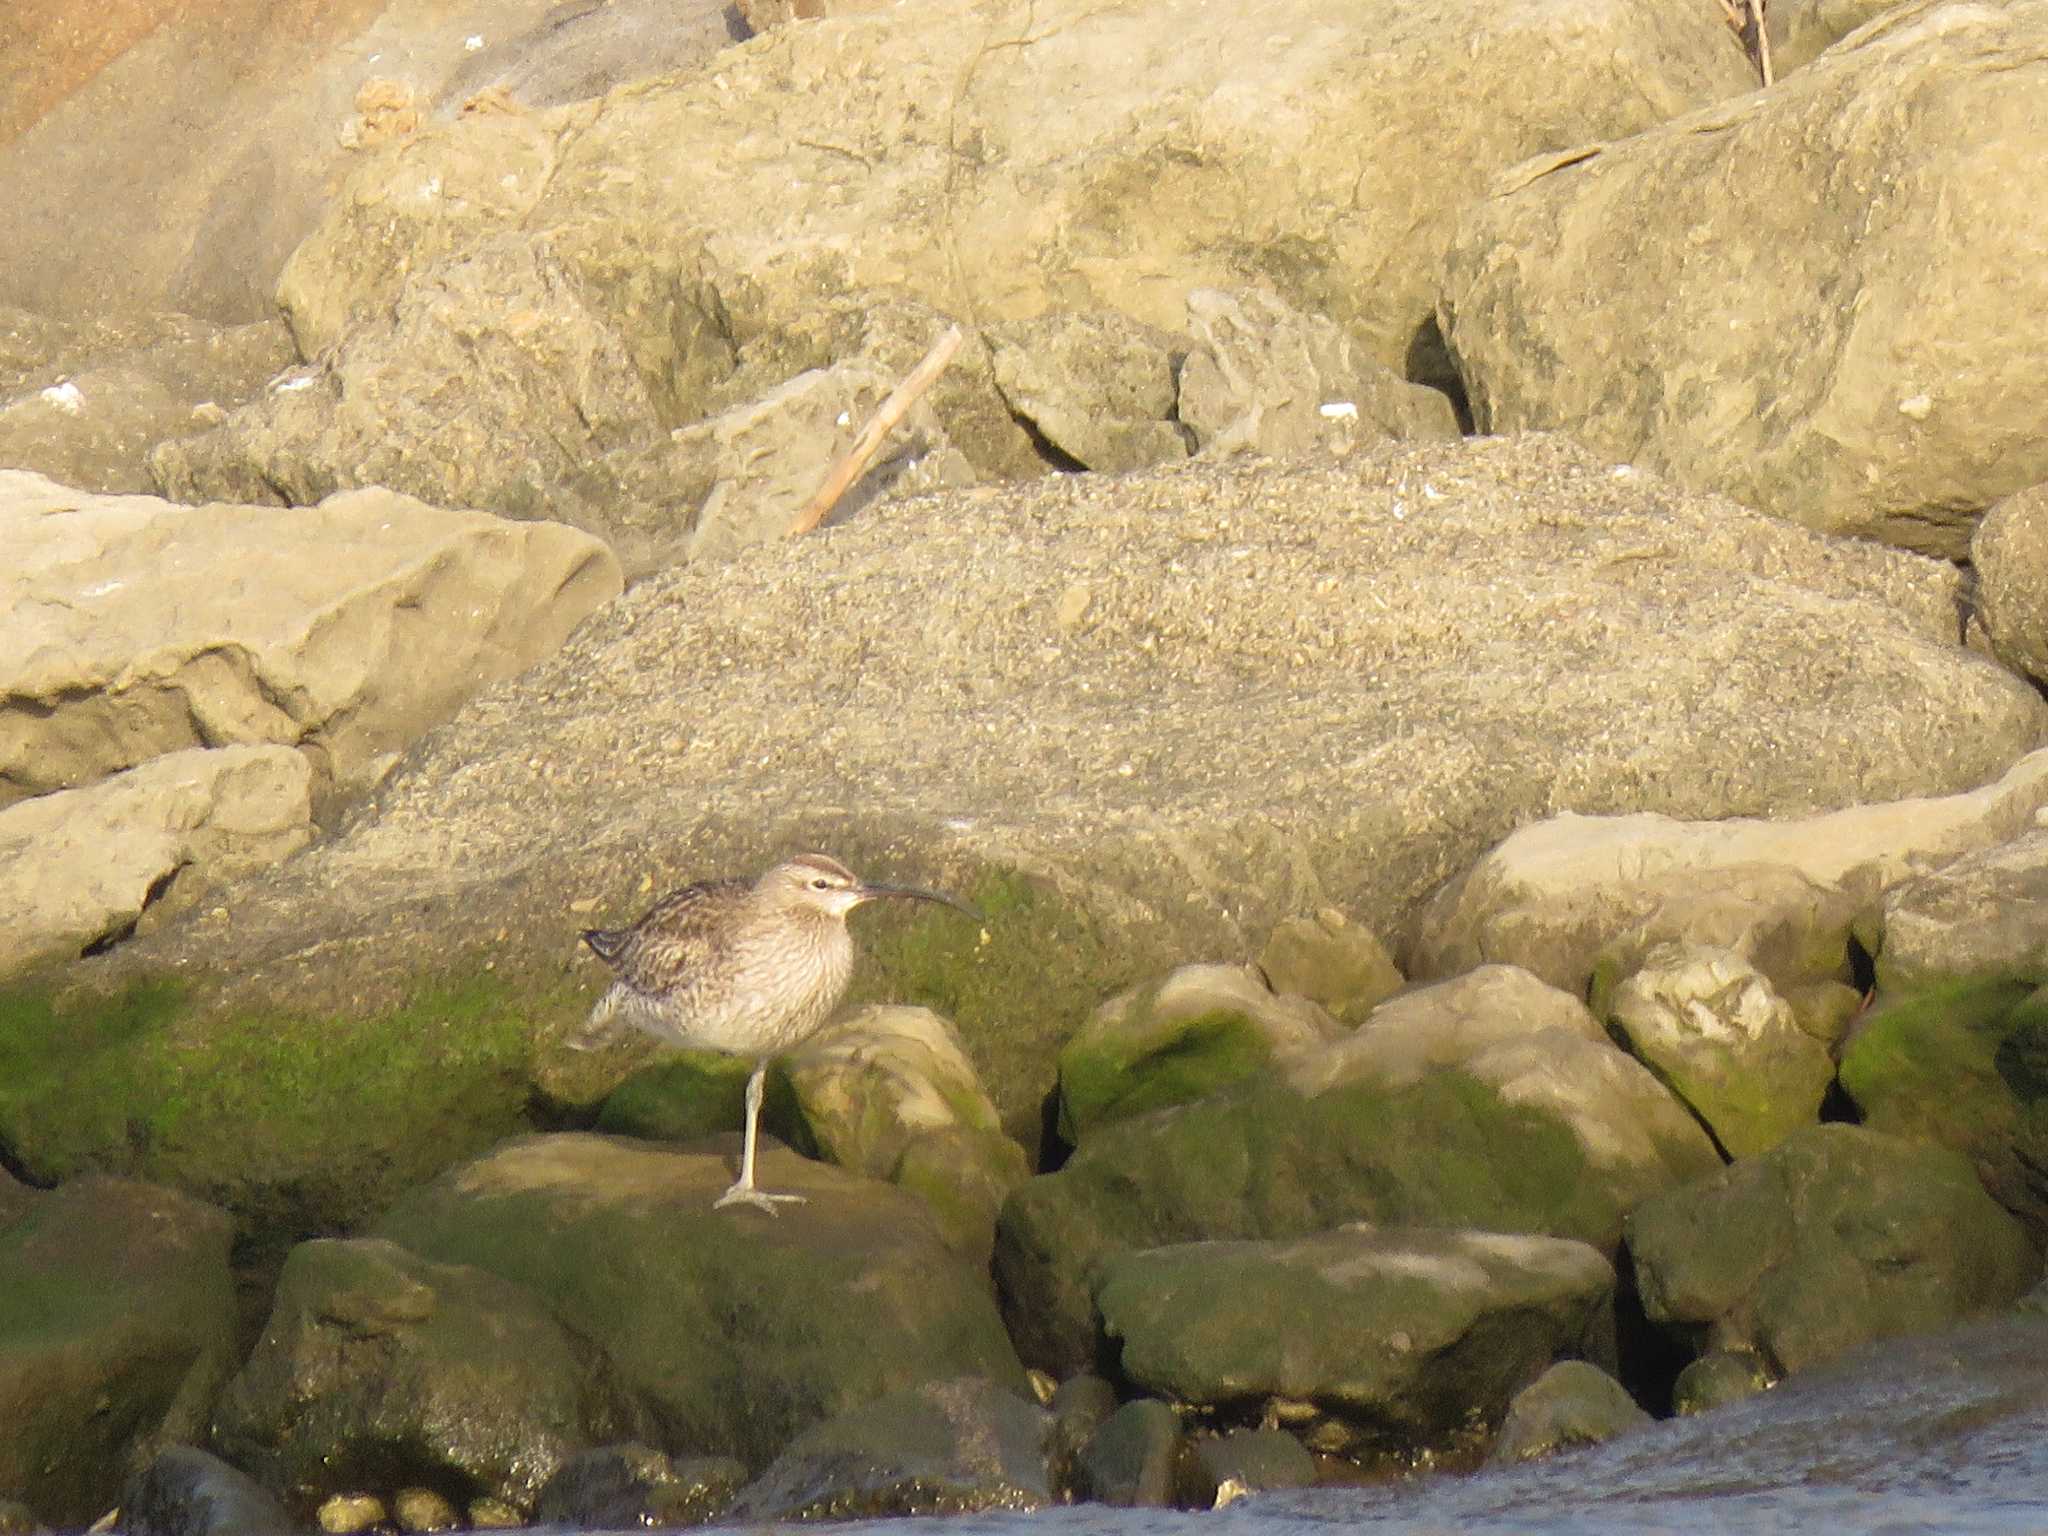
(736, 1329)
(298, 1124)
(1963, 1066)
(1837, 1236)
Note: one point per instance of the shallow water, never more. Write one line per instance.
(1944, 1434)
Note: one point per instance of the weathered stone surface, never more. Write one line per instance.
(379, 1371)
(171, 156)
(1132, 1459)
(1801, 29)
(942, 1447)
(1333, 685)
(1982, 917)
(576, 52)
(1490, 1102)
(1180, 1038)
(1838, 1236)
(738, 1330)
(189, 1492)
(1403, 1340)
(1096, 385)
(132, 627)
(84, 403)
(1573, 1403)
(624, 1487)
(1330, 960)
(118, 1330)
(890, 1092)
(1900, 404)
(1785, 893)
(1267, 378)
(77, 867)
(490, 379)
(1964, 1066)
(1114, 160)
(2009, 552)
(1713, 1029)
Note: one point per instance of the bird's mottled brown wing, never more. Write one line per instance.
(679, 933)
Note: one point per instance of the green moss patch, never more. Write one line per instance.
(297, 1124)
(1102, 1080)
(1964, 1066)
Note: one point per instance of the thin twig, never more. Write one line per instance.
(1748, 20)
(887, 414)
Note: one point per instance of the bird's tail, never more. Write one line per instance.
(605, 1026)
(606, 943)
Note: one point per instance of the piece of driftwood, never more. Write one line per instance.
(887, 414)
(1746, 19)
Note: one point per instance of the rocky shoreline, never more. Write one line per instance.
(1509, 828)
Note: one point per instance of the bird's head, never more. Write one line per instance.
(815, 883)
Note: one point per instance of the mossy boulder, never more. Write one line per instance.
(737, 1329)
(1838, 1236)
(1492, 1102)
(117, 1328)
(298, 1123)
(1964, 1066)
(379, 1371)
(1574, 1403)
(1181, 1038)
(1403, 1341)
(1714, 1029)
(890, 1092)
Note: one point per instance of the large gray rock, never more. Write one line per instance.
(78, 867)
(1491, 1102)
(1838, 1236)
(171, 157)
(1402, 1341)
(130, 627)
(380, 1371)
(737, 1329)
(1118, 161)
(119, 1328)
(1785, 893)
(1865, 363)
(1332, 685)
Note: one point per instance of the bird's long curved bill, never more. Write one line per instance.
(913, 893)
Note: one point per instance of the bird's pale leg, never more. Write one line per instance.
(743, 1191)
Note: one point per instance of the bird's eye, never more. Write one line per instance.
(820, 883)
